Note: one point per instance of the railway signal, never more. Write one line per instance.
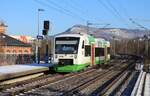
(46, 25)
(46, 28)
(45, 33)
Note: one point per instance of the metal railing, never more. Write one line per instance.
(11, 59)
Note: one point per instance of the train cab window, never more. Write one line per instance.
(87, 50)
(83, 44)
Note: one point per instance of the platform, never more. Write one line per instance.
(12, 71)
(147, 85)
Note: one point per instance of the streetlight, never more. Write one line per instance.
(39, 10)
(37, 45)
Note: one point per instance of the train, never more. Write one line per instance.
(75, 52)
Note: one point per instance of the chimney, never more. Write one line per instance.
(2, 27)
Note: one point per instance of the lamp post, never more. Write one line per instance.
(37, 45)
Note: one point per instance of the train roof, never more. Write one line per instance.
(89, 38)
(70, 35)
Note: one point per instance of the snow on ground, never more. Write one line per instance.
(147, 85)
(21, 68)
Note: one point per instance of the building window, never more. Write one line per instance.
(20, 51)
(26, 51)
(14, 51)
(8, 51)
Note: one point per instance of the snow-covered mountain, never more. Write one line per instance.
(107, 33)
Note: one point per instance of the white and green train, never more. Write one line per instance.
(74, 52)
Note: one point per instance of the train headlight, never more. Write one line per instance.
(75, 56)
(55, 56)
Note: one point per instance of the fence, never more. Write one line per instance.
(16, 59)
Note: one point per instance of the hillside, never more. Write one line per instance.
(107, 33)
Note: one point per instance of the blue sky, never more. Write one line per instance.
(21, 15)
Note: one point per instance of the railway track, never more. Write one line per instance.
(59, 87)
(70, 86)
(26, 86)
(38, 79)
(114, 83)
(107, 79)
(63, 84)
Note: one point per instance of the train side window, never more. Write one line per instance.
(87, 51)
(99, 52)
(83, 44)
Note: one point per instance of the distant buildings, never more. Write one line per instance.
(10, 45)
(25, 39)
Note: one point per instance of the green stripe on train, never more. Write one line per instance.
(75, 67)
(70, 68)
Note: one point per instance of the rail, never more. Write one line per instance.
(136, 87)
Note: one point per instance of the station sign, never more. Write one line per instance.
(39, 37)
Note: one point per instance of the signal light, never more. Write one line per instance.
(46, 25)
(45, 32)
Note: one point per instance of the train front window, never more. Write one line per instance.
(66, 45)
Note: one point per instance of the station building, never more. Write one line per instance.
(12, 50)
(10, 45)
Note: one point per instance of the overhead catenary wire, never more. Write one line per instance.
(118, 13)
(58, 10)
(137, 24)
(74, 7)
(135, 21)
(82, 10)
(64, 9)
(124, 10)
(113, 11)
(103, 4)
(77, 9)
(142, 19)
(126, 14)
